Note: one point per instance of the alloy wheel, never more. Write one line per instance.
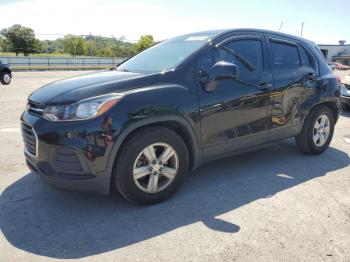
(322, 129)
(7, 78)
(155, 168)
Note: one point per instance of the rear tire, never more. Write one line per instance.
(317, 131)
(5, 78)
(157, 180)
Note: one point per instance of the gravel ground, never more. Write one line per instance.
(274, 204)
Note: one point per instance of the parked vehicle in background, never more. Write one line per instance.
(5, 73)
(345, 94)
(346, 80)
(142, 127)
(340, 66)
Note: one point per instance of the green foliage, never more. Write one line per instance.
(107, 46)
(73, 45)
(145, 42)
(20, 39)
(53, 47)
(3, 46)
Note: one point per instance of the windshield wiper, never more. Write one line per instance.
(122, 70)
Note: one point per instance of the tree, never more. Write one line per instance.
(117, 46)
(74, 45)
(90, 48)
(3, 44)
(53, 46)
(145, 42)
(20, 39)
(107, 46)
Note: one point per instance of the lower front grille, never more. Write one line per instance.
(65, 160)
(29, 139)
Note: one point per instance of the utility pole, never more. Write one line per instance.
(279, 29)
(302, 29)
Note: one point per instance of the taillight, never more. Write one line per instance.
(338, 79)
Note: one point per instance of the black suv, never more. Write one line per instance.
(5, 73)
(142, 127)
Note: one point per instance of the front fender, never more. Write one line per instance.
(157, 105)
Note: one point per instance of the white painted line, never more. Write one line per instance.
(347, 140)
(10, 130)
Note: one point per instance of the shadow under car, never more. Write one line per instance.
(56, 224)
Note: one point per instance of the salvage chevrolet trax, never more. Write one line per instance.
(142, 127)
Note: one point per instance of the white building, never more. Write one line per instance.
(337, 53)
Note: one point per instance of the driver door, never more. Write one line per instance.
(237, 114)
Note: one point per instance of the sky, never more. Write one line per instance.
(325, 22)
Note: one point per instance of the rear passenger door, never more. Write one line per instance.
(294, 74)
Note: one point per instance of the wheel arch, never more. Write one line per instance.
(332, 105)
(6, 70)
(178, 124)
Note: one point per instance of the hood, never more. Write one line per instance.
(74, 89)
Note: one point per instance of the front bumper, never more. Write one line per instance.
(67, 155)
(94, 184)
(345, 100)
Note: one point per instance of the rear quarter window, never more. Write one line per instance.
(304, 57)
(284, 56)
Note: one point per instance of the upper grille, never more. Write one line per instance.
(35, 108)
(30, 140)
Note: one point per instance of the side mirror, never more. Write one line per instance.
(220, 71)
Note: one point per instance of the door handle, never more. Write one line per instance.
(264, 86)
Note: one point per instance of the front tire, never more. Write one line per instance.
(5, 78)
(151, 165)
(317, 131)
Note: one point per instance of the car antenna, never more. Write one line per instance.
(302, 29)
(279, 29)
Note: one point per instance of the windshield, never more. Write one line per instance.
(165, 55)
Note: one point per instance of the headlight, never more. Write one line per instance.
(84, 109)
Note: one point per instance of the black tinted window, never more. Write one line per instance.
(305, 59)
(246, 54)
(284, 56)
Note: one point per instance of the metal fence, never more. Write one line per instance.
(59, 63)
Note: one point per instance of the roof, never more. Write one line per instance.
(220, 32)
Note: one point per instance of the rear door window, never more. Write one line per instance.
(284, 56)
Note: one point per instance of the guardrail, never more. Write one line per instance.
(59, 63)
